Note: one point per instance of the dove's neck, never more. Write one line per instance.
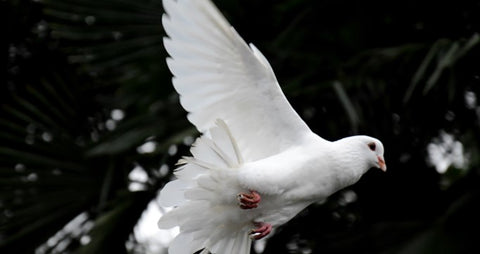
(350, 162)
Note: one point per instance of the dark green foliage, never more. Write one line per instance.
(402, 71)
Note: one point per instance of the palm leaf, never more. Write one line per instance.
(114, 36)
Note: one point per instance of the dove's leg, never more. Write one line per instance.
(262, 229)
(249, 200)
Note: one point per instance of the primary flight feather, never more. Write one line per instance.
(257, 163)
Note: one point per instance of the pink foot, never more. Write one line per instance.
(249, 200)
(262, 229)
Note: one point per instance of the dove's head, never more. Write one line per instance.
(366, 150)
(373, 150)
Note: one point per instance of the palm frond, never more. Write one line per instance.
(447, 53)
(110, 38)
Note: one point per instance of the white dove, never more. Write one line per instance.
(257, 163)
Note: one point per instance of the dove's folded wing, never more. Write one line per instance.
(218, 76)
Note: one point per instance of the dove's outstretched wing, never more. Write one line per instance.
(219, 76)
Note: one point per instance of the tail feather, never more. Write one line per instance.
(244, 243)
(199, 194)
(204, 150)
(236, 243)
(175, 190)
(226, 142)
(224, 240)
(181, 214)
(188, 172)
(204, 196)
(179, 246)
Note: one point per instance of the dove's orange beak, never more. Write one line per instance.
(381, 163)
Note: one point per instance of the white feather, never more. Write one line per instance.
(189, 172)
(179, 246)
(202, 148)
(174, 193)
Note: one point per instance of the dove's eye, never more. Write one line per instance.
(372, 146)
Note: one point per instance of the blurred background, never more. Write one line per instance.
(90, 126)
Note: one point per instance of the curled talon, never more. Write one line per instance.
(262, 229)
(249, 200)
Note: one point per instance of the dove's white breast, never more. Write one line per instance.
(291, 180)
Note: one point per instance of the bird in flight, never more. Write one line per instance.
(257, 164)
